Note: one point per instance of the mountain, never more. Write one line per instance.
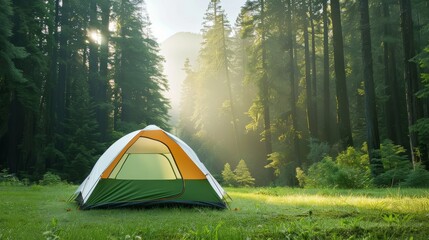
(175, 50)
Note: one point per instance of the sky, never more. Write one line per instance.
(171, 16)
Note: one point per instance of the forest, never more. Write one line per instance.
(310, 93)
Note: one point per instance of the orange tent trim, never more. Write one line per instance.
(187, 167)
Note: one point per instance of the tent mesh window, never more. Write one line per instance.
(146, 159)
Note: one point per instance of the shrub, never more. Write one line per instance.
(318, 150)
(8, 179)
(301, 176)
(322, 174)
(50, 179)
(419, 177)
(350, 170)
(353, 158)
(354, 164)
(395, 163)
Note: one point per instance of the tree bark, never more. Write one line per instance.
(292, 82)
(410, 74)
(343, 111)
(228, 83)
(264, 89)
(313, 75)
(63, 69)
(373, 137)
(105, 93)
(326, 88)
(394, 125)
(308, 84)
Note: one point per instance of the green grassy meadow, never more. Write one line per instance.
(44, 212)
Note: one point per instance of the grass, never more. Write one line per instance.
(43, 212)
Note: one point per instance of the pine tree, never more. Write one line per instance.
(207, 99)
(254, 25)
(242, 175)
(82, 135)
(139, 81)
(10, 79)
(228, 176)
(27, 33)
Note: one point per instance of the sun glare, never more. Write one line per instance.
(95, 36)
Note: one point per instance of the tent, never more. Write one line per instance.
(146, 167)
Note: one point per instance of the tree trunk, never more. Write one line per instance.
(327, 136)
(231, 100)
(103, 115)
(394, 124)
(343, 112)
(264, 89)
(15, 134)
(313, 75)
(410, 73)
(292, 83)
(373, 137)
(308, 84)
(63, 72)
(123, 91)
(48, 110)
(95, 88)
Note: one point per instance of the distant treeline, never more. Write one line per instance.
(299, 87)
(75, 75)
(294, 88)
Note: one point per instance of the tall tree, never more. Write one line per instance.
(308, 79)
(410, 73)
(394, 126)
(264, 86)
(343, 111)
(10, 80)
(48, 111)
(139, 78)
(373, 137)
(27, 33)
(63, 70)
(254, 25)
(104, 105)
(326, 86)
(226, 64)
(313, 72)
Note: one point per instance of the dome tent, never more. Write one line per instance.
(149, 166)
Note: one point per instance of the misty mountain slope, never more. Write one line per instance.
(175, 50)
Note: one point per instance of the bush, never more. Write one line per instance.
(50, 179)
(318, 150)
(322, 174)
(301, 176)
(350, 170)
(419, 177)
(353, 158)
(8, 179)
(395, 163)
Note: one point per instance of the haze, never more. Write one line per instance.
(170, 17)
